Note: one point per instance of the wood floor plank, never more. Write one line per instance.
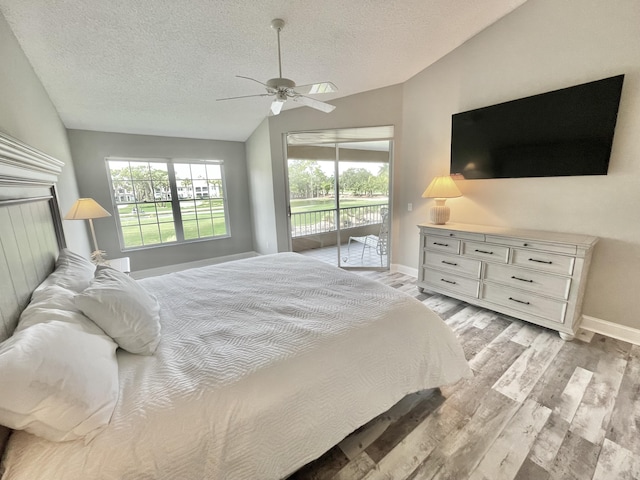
(624, 428)
(467, 395)
(507, 454)
(548, 442)
(574, 354)
(402, 460)
(571, 396)
(531, 471)
(474, 340)
(362, 438)
(616, 462)
(487, 354)
(518, 381)
(356, 469)
(594, 413)
(576, 459)
(459, 454)
(526, 335)
(397, 431)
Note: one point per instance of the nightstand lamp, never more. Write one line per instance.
(441, 188)
(87, 209)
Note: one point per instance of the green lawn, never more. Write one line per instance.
(152, 224)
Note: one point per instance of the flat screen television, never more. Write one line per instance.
(558, 133)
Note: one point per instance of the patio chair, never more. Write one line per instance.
(379, 242)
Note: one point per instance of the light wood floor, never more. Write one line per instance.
(538, 408)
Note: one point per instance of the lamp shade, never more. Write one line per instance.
(442, 187)
(85, 209)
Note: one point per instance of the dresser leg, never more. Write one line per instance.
(421, 290)
(567, 337)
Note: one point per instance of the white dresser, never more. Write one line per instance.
(532, 275)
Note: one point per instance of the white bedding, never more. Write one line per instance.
(264, 364)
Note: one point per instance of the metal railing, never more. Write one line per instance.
(322, 221)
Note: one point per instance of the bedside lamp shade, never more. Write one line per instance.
(441, 188)
(87, 209)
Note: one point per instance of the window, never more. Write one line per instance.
(160, 202)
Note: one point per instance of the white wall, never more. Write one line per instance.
(541, 46)
(90, 150)
(260, 171)
(26, 113)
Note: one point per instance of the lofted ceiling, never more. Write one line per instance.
(157, 66)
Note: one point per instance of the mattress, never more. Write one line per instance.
(264, 364)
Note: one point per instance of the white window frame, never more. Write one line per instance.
(174, 201)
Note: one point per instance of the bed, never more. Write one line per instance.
(262, 365)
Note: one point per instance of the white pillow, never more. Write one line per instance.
(72, 271)
(55, 303)
(123, 309)
(58, 382)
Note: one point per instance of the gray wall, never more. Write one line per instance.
(543, 45)
(27, 114)
(90, 149)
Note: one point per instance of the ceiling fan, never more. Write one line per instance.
(284, 89)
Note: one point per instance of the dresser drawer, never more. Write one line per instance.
(453, 263)
(530, 280)
(486, 251)
(545, 262)
(442, 244)
(546, 308)
(548, 247)
(478, 237)
(454, 283)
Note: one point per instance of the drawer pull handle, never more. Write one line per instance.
(448, 281)
(441, 244)
(484, 251)
(525, 244)
(521, 279)
(519, 301)
(449, 263)
(452, 234)
(540, 261)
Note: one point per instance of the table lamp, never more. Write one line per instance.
(87, 209)
(441, 188)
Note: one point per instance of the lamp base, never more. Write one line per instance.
(439, 213)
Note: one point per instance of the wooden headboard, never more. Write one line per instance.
(31, 232)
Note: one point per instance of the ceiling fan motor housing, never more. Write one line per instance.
(280, 83)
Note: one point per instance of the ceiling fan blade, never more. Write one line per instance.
(313, 103)
(313, 88)
(245, 96)
(253, 80)
(276, 106)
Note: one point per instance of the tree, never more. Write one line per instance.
(355, 180)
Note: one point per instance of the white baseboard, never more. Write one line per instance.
(154, 272)
(610, 329)
(412, 272)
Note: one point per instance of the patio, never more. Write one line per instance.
(351, 257)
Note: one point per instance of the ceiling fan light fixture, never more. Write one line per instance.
(276, 106)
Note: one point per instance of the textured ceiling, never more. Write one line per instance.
(157, 66)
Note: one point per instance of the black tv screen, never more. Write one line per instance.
(558, 133)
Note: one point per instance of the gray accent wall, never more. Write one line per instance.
(90, 149)
(27, 114)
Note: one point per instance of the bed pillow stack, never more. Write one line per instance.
(59, 370)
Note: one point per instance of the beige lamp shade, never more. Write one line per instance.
(86, 208)
(441, 188)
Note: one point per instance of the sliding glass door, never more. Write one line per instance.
(339, 197)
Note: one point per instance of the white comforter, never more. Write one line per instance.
(264, 364)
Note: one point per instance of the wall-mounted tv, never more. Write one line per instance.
(558, 133)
